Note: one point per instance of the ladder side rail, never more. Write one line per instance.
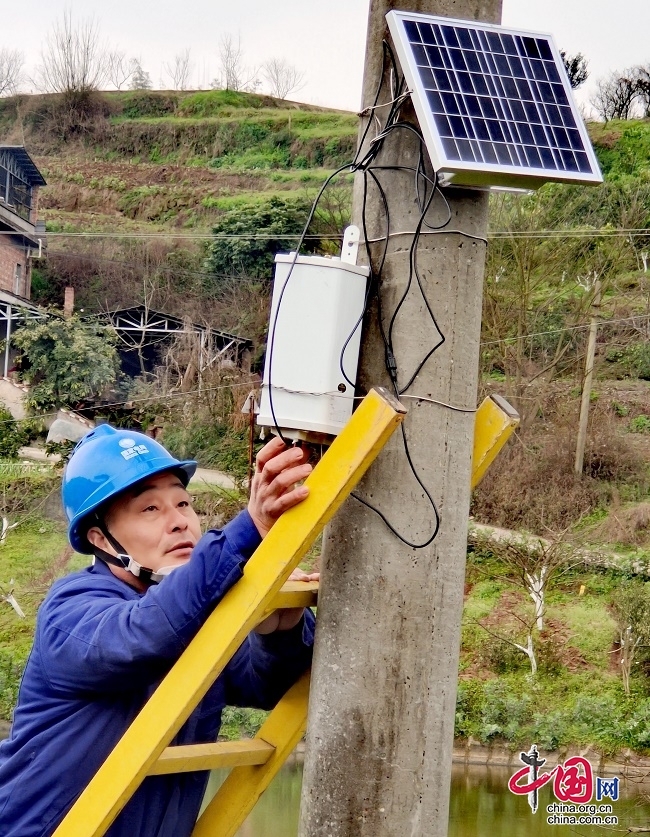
(495, 422)
(342, 466)
(243, 786)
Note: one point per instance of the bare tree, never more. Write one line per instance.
(617, 95)
(118, 69)
(631, 609)
(234, 75)
(531, 564)
(643, 85)
(73, 59)
(576, 67)
(133, 340)
(11, 67)
(179, 69)
(283, 78)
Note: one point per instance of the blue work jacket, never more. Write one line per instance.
(99, 652)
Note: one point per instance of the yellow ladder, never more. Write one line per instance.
(143, 749)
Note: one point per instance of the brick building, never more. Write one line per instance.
(22, 237)
(20, 232)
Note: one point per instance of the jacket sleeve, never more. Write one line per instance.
(109, 637)
(265, 666)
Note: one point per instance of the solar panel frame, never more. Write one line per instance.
(495, 104)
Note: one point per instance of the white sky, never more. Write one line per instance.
(325, 39)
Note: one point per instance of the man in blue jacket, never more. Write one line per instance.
(106, 636)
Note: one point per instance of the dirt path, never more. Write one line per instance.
(206, 475)
(592, 555)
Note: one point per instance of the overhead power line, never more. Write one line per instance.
(606, 232)
(601, 323)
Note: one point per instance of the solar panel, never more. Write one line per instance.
(494, 104)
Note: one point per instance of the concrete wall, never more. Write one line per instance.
(11, 395)
(66, 420)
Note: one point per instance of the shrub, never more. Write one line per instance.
(503, 712)
(216, 506)
(69, 360)
(632, 360)
(501, 657)
(639, 424)
(66, 117)
(636, 730)
(550, 729)
(12, 435)
(212, 444)
(548, 495)
(237, 722)
(627, 526)
(595, 718)
(280, 219)
(148, 103)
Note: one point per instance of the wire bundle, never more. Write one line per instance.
(426, 188)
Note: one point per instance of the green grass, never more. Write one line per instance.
(592, 628)
(27, 557)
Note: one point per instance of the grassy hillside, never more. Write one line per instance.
(577, 696)
(149, 160)
(145, 176)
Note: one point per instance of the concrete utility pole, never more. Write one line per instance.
(586, 385)
(385, 671)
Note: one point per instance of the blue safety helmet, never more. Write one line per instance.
(103, 464)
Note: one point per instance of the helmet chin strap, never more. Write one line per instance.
(126, 562)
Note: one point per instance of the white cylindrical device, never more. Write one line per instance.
(314, 337)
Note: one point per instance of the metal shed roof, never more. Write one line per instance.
(26, 163)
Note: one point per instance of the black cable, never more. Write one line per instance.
(425, 201)
(391, 365)
(374, 275)
(425, 198)
(385, 48)
(413, 271)
(436, 528)
(310, 218)
(356, 165)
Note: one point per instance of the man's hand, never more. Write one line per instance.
(273, 488)
(284, 620)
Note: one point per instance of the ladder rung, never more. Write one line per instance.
(296, 594)
(189, 757)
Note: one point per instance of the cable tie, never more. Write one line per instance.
(391, 364)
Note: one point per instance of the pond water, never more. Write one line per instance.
(481, 806)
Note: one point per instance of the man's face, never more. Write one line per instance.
(154, 522)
